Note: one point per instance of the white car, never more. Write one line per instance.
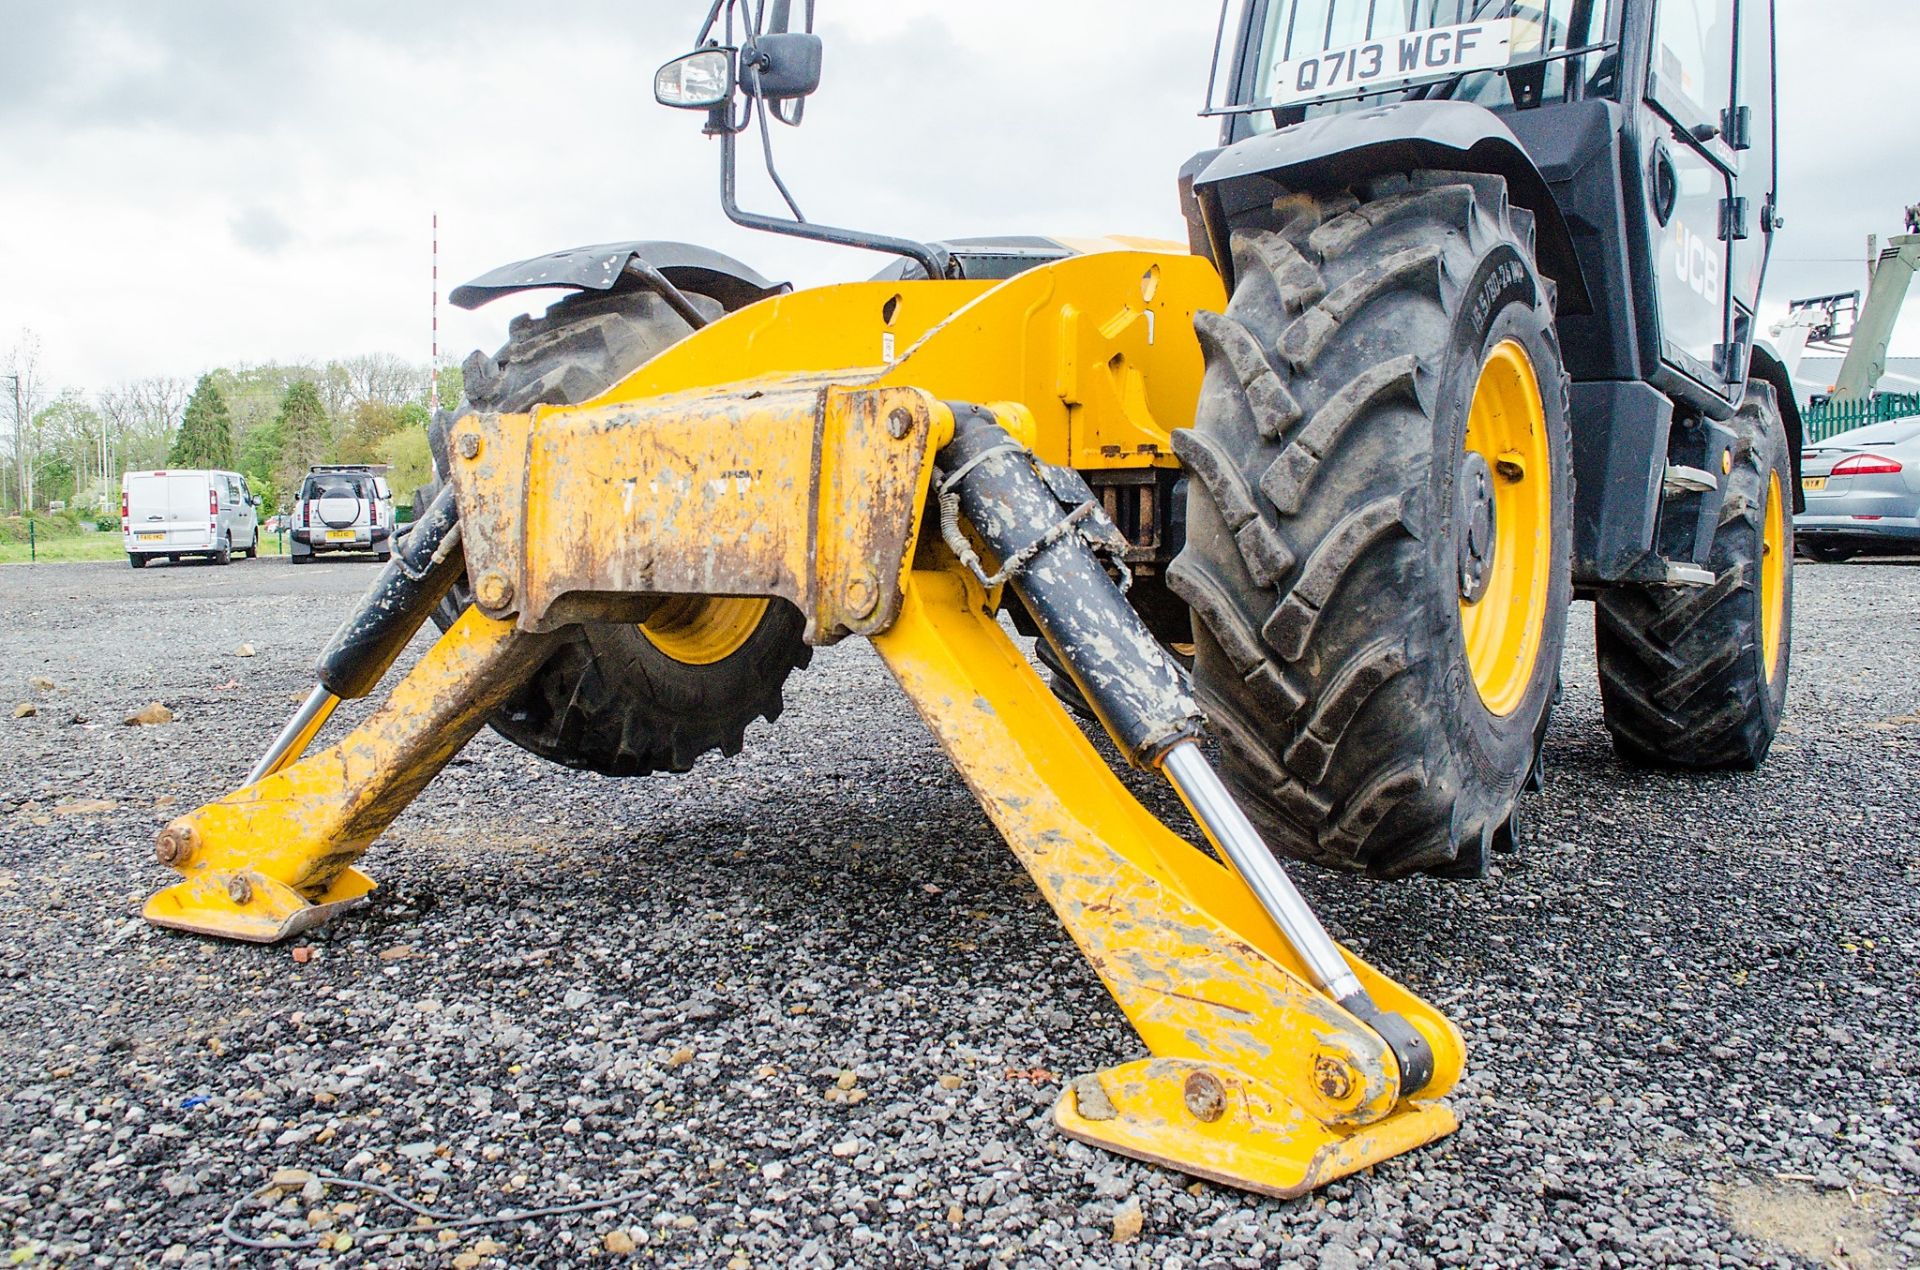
(343, 507)
(188, 513)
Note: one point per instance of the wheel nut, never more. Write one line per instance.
(174, 845)
(899, 424)
(1206, 1097)
(493, 591)
(239, 890)
(470, 445)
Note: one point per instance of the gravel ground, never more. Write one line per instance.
(805, 1010)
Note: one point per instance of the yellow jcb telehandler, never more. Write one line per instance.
(1464, 330)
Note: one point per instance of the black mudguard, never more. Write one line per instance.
(600, 267)
(1764, 364)
(1350, 146)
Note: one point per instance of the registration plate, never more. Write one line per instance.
(1813, 483)
(151, 537)
(1437, 51)
(339, 535)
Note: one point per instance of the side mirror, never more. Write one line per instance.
(256, 500)
(787, 65)
(697, 81)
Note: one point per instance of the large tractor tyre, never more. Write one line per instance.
(1377, 548)
(620, 699)
(1696, 677)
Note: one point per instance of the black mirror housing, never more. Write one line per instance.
(788, 65)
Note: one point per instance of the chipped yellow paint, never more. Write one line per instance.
(1182, 944)
(763, 456)
(274, 858)
(798, 489)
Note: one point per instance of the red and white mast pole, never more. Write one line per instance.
(433, 359)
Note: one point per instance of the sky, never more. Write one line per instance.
(198, 183)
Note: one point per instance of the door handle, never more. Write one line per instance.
(1665, 185)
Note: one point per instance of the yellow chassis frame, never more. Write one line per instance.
(809, 483)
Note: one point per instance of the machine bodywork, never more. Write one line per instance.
(811, 484)
(1355, 381)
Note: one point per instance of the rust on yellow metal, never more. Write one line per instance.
(797, 489)
(275, 857)
(786, 451)
(1293, 1091)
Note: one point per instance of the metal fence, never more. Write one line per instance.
(1824, 418)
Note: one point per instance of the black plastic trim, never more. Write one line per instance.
(599, 268)
(1404, 136)
(1620, 432)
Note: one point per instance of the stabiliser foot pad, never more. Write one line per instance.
(248, 906)
(1216, 1123)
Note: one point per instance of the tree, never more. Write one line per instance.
(380, 377)
(71, 435)
(367, 425)
(258, 457)
(306, 436)
(205, 438)
(254, 393)
(453, 387)
(141, 416)
(406, 449)
(20, 393)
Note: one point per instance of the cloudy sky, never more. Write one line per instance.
(192, 184)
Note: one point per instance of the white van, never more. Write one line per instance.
(196, 513)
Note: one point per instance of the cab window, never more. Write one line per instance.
(1693, 58)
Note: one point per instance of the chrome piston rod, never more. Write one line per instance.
(1187, 769)
(293, 738)
(1132, 683)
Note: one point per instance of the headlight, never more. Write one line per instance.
(698, 81)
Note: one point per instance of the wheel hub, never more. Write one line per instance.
(1478, 524)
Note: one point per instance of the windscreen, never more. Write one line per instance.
(334, 485)
(1317, 52)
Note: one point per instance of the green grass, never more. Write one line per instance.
(100, 546)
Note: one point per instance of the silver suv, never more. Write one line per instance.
(343, 507)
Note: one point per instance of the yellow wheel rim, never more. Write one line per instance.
(1505, 545)
(1773, 576)
(699, 630)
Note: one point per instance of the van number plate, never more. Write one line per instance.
(1437, 51)
(151, 537)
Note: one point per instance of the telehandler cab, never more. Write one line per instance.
(1465, 330)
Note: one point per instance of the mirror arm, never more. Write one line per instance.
(706, 28)
(937, 264)
(766, 144)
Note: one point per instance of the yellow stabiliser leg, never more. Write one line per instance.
(275, 857)
(1256, 1079)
